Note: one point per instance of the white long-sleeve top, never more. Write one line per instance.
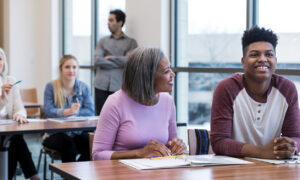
(12, 105)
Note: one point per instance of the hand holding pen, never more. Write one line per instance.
(6, 87)
(75, 106)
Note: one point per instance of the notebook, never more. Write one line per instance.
(187, 161)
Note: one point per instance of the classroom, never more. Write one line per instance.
(202, 45)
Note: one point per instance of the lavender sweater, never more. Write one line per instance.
(238, 118)
(126, 125)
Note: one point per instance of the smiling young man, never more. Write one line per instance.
(256, 114)
(111, 54)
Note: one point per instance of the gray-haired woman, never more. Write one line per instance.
(139, 120)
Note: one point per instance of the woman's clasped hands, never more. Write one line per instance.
(177, 146)
(157, 149)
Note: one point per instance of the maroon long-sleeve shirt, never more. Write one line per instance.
(237, 117)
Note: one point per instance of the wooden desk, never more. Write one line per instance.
(47, 126)
(108, 170)
(36, 127)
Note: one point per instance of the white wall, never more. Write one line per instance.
(1, 23)
(148, 21)
(31, 41)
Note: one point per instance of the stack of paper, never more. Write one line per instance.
(74, 118)
(200, 160)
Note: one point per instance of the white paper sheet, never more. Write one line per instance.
(293, 160)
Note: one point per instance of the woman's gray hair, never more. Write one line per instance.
(5, 67)
(139, 73)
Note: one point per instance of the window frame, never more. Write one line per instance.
(252, 20)
(94, 38)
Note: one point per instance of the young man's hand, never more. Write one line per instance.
(284, 147)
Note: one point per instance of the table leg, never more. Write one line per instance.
(4, 144)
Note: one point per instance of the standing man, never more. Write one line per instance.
(110, 57)
(256, 114)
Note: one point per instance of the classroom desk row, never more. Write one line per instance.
(108, 170)
(36, 126)
(105, 170)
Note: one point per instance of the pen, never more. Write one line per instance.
(17, 82)
(165, 157)
(290, 159)
(77, 100)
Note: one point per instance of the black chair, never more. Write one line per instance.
(199, 142)
(54, 155)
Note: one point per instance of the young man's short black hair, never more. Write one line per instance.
(257, 34)
(120, 15)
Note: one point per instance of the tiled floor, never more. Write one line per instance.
(34, 145)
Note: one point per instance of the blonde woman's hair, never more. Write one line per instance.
(59, 96)
(5, 68)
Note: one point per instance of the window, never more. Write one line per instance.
(84, 23)
(78, 34)
(209, 34)
(284, 24)
(207, 38)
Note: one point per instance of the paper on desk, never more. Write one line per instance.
(199, 160)
(279, 161)
(211, 159)
(36, 120)
(141, 164)
(10, 121)
(74, 118)
(7, 121)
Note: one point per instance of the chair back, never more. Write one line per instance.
(29, 97)
(91, 140)
(199, 142)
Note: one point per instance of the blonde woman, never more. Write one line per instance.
(67, 96)
(11, 107)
